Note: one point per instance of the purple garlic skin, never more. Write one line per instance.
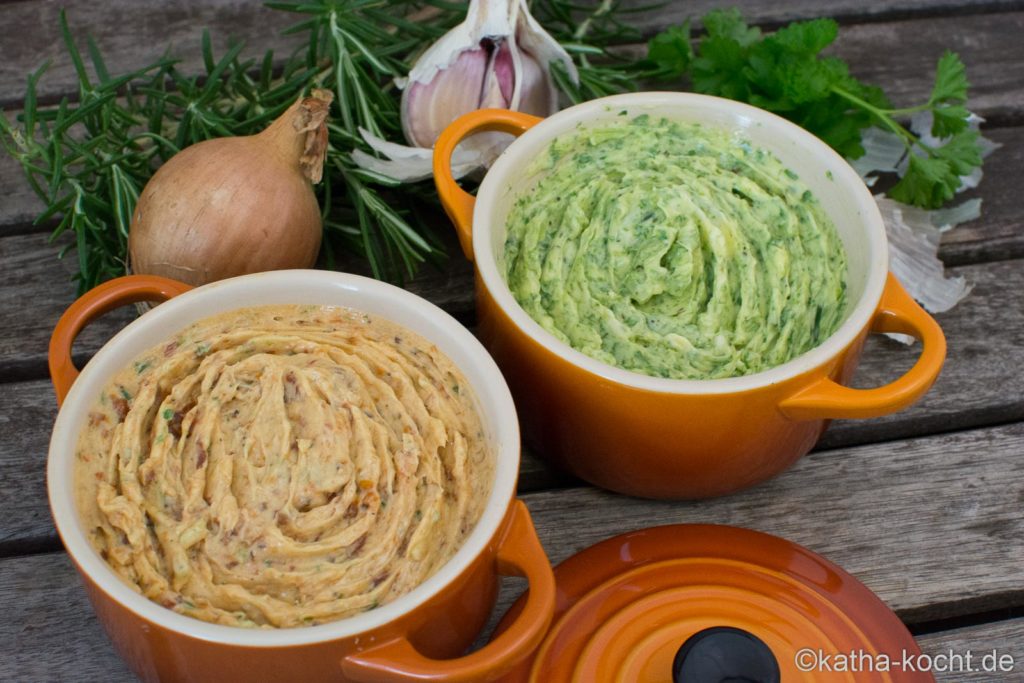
(484, 77)
(498, 57)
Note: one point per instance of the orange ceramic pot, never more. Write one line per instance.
(419, 636)
(689, 603)
(664, 438)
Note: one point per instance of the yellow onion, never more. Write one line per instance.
(236, 205)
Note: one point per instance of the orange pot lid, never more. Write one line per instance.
(703, 604)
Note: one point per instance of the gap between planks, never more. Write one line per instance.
(902, 552)
(179, 22)
(71, 645)
(917, 43)
(989, 44)
(932, 523)
(981, 385)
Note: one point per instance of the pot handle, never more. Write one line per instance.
(896, 312)
(94, 303)
(457, 202)
(519, 554)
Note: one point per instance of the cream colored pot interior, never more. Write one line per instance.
(838, 187)
(287, 287)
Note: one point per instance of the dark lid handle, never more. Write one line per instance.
(723, 654)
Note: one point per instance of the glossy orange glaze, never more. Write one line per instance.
(626, 605)
(435, 634)
(661, 444)
(423, 644)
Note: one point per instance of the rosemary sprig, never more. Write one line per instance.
(587, 33)
(89, 159)
(362, 46)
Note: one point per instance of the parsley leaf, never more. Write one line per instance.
(949, 120)
(961, 151)
(670, 51)
(785, 73)
(950, 80)
(729, 24)
(927, 182)
(718, 70)
(806, 37)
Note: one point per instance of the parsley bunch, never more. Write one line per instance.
(785, 73)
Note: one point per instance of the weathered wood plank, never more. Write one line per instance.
(27, 411)
(932, 525)
(51, 632)
(1002, 637)
(901, 57)
(982, 384)
(36, 287)
(33, 274)
(909, 49)
(988, 43)
(34, 281)
(130, 35)
(19, 206)
(155, 25)
(998, 234)
(844, 11)
(909, 499)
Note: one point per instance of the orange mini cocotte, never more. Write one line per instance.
(674, 438)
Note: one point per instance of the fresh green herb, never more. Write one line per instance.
(586, 32)
(168, 413)
(785, 73)
(670, 52)
(124, 393)
(89, 157)
(141, 366)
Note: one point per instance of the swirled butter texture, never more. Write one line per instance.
(283, 466)
(674, 250)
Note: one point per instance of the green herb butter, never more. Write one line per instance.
(674, 250)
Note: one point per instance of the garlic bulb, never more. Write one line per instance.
(499, 57)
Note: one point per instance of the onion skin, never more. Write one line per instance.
(231, 206)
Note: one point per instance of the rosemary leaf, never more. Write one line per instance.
(88, 158)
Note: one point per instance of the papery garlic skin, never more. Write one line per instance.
(499, 57)
(913, 253)
(453, 85)
(914, 233)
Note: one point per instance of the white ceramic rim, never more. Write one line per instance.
(438, 327)
(515, 158)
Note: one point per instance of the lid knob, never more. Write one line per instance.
(723, 654)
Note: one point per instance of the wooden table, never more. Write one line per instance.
(926, 507)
